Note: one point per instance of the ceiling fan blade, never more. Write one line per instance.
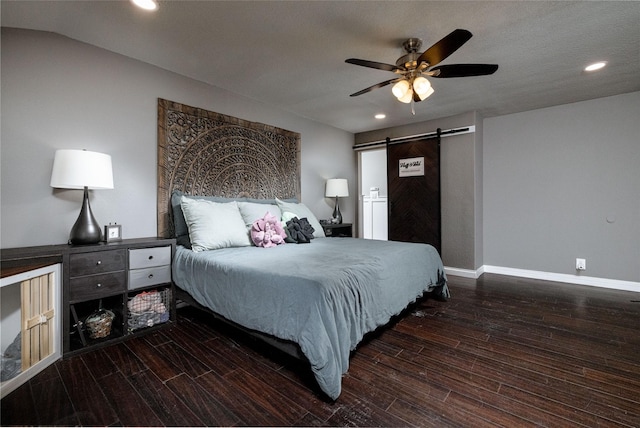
(376, 86)
(374, 64)
(463, 70)
(445, 47)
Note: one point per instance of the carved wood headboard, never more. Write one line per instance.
(211, 154)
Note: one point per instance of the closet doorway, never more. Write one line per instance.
(373, 193)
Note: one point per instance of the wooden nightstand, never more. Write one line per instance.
(128, 282)
(130, 278)
(343, 230)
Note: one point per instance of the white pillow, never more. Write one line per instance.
(214, 225)
(301, 211)
(252, 211)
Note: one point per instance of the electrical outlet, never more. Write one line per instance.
(581, 264)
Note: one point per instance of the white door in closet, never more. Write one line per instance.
(374, 213)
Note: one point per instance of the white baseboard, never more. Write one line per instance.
(465, 273)
(546, 276)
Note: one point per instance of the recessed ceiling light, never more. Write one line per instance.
(380, 116)
(595, 66)
(146, 4)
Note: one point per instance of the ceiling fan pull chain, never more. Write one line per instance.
(413, 107)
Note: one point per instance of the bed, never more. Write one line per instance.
(322, 296)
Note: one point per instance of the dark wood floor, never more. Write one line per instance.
(502, 352)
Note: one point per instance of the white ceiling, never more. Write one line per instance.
(290, 54)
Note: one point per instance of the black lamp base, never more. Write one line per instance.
(86, 229)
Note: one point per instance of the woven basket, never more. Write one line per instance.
(99, 323)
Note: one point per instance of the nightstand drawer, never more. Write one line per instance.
(96, 286)
(149, 257)
(145, 277)
(96, 262)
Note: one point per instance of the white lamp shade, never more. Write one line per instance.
(337, 187)
(75, 169)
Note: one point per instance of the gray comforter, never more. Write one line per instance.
(325, 295)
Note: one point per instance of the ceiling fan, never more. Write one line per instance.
(412, 85)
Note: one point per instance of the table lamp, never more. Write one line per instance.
(81, 169)
(338, 188)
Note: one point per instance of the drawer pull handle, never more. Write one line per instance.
(99, 285)
(150, 257)
(150, 276)
(99, 262)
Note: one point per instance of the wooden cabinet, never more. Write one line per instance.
(148, 302)
(95, 281)
(115, 290)
(110, 291)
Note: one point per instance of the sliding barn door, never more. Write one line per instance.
(413, 170)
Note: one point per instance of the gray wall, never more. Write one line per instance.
(59, 93)
(460, 155)
(564, 182)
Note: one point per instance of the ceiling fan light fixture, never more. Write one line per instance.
(421, 85)
(401, 89)
(412, 69)
(406, 98)
(426, 95)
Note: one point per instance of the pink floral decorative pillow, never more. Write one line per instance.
(267, 231)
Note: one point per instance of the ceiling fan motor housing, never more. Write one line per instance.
(411, 46)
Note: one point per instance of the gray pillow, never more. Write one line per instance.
(181, 231)
(252, 211)
(214, 225)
